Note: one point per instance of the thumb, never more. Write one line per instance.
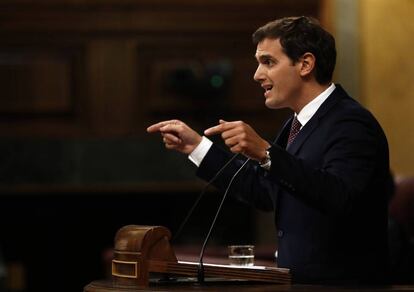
(222, 121)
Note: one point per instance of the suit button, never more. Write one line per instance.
(280, 233)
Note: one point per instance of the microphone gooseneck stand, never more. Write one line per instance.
(200, 269)
(180, 228)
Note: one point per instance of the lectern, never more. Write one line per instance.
(141, 250)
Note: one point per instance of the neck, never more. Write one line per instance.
(308, 93)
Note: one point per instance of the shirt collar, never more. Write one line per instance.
(310, 109)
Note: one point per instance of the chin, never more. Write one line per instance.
(273, 105)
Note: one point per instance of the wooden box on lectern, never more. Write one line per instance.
(136, 247)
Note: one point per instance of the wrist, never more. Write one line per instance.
(265, 154)
(196, 144)
(266, 162)
(198, 154)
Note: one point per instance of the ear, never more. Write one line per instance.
(307, 64)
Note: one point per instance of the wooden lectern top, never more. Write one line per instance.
(141, 250)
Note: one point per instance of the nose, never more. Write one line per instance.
(259, 75)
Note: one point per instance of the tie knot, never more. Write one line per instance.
(294, 130)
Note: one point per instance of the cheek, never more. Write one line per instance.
(289, 81)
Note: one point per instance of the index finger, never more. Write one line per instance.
(214, 130)
(156, 127)
(222, 127)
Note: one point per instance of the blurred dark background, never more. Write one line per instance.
(79, 83)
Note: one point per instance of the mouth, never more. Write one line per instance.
(267, 88)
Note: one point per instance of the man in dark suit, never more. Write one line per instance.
(327, 173)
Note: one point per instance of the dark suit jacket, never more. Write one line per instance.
(329, 191)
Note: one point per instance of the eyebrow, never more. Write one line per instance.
(264, 57)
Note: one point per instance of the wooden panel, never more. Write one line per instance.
(146, 15)
(42, 87)
(36, 81)
(201, 75)
(109, 68)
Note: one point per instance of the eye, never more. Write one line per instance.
(269, 62)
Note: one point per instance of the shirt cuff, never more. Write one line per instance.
(200, 151)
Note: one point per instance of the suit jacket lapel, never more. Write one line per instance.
(282, 137)
(310, 126)
(302, 135)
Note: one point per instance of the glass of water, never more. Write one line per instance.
(241, 255)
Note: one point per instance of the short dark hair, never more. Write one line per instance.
(299, 35)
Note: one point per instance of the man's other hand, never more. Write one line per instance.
(177, 135)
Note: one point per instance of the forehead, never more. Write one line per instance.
(269, 47)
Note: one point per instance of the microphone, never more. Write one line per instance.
(200, 269)
(180, 228)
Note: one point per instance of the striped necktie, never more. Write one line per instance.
(294, 130)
